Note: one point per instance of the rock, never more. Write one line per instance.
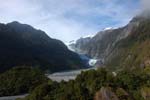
(145, 91)
(105, 93)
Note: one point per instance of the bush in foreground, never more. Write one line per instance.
(20, 80)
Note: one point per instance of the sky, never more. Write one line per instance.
(68, 20)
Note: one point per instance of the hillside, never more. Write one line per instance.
(103, 42)
(133, 51)
(21, 44)
(123, 47)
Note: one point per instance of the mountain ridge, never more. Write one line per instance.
(21, 44)
(104, 45)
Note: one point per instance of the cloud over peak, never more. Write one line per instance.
(69, 19)
(146, 4)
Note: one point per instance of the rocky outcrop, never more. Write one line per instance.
(79, 45)
(145, 91)
(107, 93)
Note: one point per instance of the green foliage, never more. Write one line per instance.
(126, 85)
(20, 80)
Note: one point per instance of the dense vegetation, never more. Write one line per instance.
(21, 44)
(20, 80)
(126, 85)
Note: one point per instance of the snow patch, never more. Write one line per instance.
(89, 36)
(92, 62)
(107, 28)
(70, 42)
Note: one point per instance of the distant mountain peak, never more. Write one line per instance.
(14, 22)
(18, 24)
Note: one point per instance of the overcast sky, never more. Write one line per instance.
(70, 19)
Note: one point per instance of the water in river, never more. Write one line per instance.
(68, 75)
(13, 97)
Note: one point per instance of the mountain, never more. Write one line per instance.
(133, 52)
(124, 50)
(119, 47)
(21, 44)
(77, 46)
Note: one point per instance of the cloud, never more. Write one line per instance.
(145, 11)
(146, 4)
(69, 19)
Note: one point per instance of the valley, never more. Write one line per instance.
(112, 64)
(68, 75)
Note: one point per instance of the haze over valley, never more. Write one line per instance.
(75, 50)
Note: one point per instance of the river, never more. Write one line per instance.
(58, 76)
(13, 97)
(66, 75)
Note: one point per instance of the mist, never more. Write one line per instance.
(144, 10)
(146, 5)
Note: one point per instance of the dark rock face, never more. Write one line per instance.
(21, 44)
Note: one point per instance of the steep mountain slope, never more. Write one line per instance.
(133, 51)
(21, 44)
(79, 45)
(126, 46)
(103, 42)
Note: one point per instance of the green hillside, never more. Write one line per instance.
(133, 51)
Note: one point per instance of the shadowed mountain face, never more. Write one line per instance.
(21, 44)
(120, 47)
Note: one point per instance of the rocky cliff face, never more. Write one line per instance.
(79, 45)
(105, 94)
(104, 45)
(132, 51)
(103, 42)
